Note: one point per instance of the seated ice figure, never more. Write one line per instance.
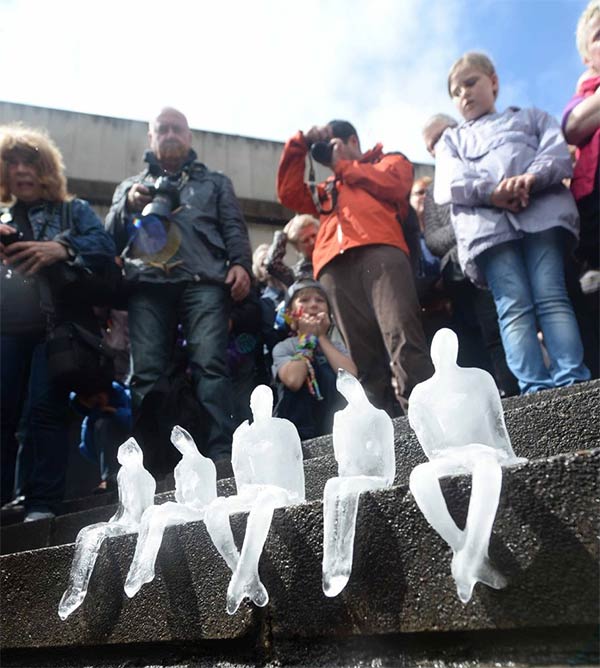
(136, 494)
(195, 488)
(458, 418)
(363, 444)
(268, 468)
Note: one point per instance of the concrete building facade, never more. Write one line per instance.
(101, 151)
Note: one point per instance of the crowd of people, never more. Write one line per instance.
(173, 319)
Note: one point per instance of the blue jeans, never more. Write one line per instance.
(203, 310)
(24, 372)
(527, 280)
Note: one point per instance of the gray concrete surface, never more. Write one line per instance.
(544, 541)
(557, 423)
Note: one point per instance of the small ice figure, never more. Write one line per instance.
(268, 468)
(458, 418)
(363, 444)
(195, 488)
(136, 494)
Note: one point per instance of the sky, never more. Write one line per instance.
(266, 68)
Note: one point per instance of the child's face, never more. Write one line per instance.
(473, 92)
(593, 45)
(311, 301)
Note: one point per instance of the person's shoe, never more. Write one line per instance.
(34, 515)
(15, 504)
(590, 281)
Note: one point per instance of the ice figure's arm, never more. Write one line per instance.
(425, 487)
(340, 508)
(245, 580)
(154, 522)
(219, 529)
(88, 544)
(423, 422)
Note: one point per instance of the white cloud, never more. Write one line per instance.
(263, 68)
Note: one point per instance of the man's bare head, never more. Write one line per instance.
(170, 138)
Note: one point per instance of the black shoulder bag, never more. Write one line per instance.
(78, 359)
(101, 286)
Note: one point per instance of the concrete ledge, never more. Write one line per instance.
(544, 541)
(558, 422)
(184, 603)
(550, 647)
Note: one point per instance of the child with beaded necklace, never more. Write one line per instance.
(305, 365)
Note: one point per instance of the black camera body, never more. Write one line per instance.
(322, 152)
(165, 197)
(8, 239)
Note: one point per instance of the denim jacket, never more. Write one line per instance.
(474, 157)
(89, 247)
(87, 239)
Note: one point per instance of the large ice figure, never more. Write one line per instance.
(268, 468)
(363, 444)
(458, 418)
(195, 488)
(136, 494)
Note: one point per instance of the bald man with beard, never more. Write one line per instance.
(185, 268)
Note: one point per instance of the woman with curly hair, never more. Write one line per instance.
(34, 238)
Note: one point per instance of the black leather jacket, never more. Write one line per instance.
(210, 235)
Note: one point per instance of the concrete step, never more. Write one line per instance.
(557, 422)
(400, 591)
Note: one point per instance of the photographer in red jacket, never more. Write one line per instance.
(361, 255)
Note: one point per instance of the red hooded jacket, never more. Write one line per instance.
(371, 193)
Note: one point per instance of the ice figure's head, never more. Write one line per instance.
(130, 453)
(444, 349)
(182, 440)
(261, 403)
(350, 388)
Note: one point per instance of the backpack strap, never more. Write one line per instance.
(66, 216)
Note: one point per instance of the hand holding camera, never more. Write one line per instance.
(324, 148)
(138, 196)
(8, 236)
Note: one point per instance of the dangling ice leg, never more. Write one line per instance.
(154, 522)
(87, 546)
(219, 528)
(425, 487)
(245, 580)
(470, 563)
(340, 508)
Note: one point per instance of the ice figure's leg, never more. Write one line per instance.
(154, 521)
(470, 563)
(340, 508)
(245, 580)
(425, 487)
(88, 544)
(219, 529)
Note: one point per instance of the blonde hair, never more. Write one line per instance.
(581, 34)
(474, 59)
(258, 268)
(47, 160)
(298, 223)
(424, 181)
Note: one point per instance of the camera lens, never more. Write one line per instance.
(322, 152)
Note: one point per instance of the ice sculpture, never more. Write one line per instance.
(136, 494)
(363, 444)
(458, 418)
(195, 488)
(268, 468)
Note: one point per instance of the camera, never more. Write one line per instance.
(165, 197)
(8, 239)
(322, 152)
